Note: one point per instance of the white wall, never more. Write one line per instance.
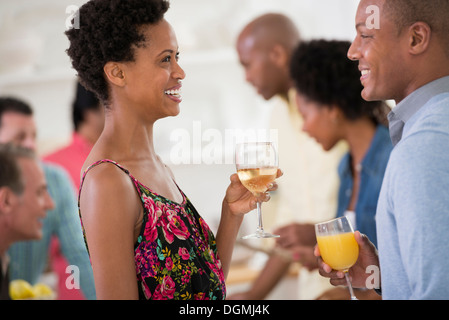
(34, 66)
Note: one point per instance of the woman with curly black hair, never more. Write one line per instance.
(328, 97)
(144, 237)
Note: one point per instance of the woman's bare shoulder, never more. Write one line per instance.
(108, 190)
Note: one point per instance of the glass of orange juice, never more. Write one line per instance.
(257, 166)
(338, 247)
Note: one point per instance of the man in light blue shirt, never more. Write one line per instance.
(406, 58)
(413, 209)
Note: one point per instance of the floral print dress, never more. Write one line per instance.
(175, 253)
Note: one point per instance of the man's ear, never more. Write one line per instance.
(114, 73)
(420, 34)
(279, 55)
(7, 200)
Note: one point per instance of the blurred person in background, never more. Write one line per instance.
(30, 258)
(24, 200)
(88, 122)
(328, 95)
(308, 191)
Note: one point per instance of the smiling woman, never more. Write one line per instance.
(152, 73)
(145, 238)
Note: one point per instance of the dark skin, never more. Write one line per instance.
(367, 256)
(328, 125)
(264, 47)
(299, 239)
(111, 210)
(419, 57)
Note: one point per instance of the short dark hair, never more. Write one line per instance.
(404, 13)
(84, 100)
(322, 72)
(10, 172)
(11, 104)
(108, 31)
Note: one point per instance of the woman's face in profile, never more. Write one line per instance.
(153, 78)
(320, 121)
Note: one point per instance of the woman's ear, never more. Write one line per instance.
(335, 114)
(115, 74)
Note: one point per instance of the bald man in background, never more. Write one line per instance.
(307, 192)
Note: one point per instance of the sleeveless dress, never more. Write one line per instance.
(175, 254)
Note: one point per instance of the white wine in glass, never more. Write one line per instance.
(257, 166)
(338, 247)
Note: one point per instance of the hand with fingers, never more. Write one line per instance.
(358, 274)
(240, 200)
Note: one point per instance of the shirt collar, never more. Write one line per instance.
(411, 104)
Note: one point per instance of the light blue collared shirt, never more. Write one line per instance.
(413, 210)
(411, 104)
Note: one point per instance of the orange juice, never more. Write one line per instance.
(339, 251)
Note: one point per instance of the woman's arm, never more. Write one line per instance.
(226, 235)
(109, 209)
(237, 202)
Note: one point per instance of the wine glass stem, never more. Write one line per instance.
(351, 291)
(259, 217)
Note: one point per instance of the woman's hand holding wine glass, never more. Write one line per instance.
(257, 168)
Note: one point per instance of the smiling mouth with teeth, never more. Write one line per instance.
(176, 93)
(365, 75)
(365, 72)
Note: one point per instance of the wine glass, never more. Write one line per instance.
(257, 166)
(338, 246)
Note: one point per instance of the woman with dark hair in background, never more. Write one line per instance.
(88, 123)
(328, 97)
(145, 238)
